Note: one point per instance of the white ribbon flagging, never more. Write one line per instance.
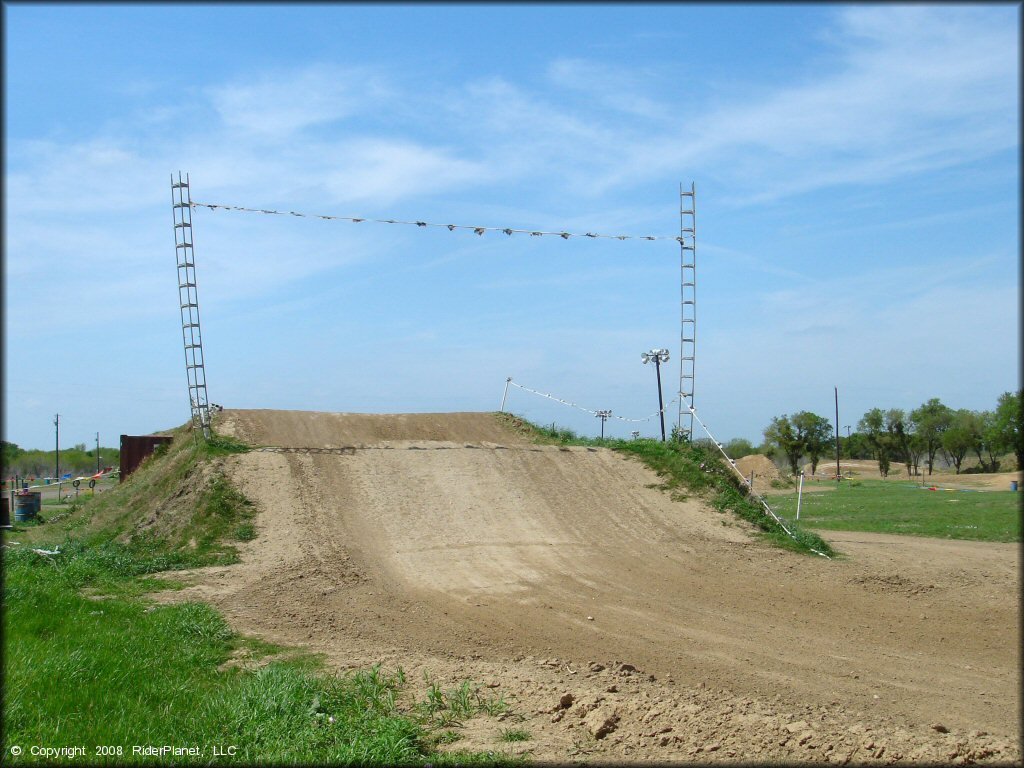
(450, 227)
(587, 410)
(747, 483)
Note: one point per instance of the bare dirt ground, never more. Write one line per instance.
(947, 478)
(620, 625)
(765, 471)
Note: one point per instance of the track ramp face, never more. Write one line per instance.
(448, 535)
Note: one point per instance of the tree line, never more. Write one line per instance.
(887, 435)
(78, 460)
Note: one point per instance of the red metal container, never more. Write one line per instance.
(134, 448)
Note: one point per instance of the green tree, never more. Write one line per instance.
(899, 436)
(856, 446)
(961, 436)
(873, 426)
(10, 454)
(782, 435)
(1008, 430)
(814, 433)
(991, 446)
(930, 421)
(739, 447)
(915, 450)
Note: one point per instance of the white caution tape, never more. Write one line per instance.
(588, 410)
(746, 482)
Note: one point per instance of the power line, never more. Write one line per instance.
(479, 230)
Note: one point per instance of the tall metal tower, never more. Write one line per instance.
(191, 336)
(688, 297)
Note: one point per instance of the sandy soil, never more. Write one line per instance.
(619, 624)
(763, 469)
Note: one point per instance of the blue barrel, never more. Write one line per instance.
(1013, 485)
(27, 505)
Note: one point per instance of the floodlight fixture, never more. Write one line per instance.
(657, 356)
(603, 416)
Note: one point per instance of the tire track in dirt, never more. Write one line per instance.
(442, 542)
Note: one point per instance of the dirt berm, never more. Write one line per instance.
(444, 542)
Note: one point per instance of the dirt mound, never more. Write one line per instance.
(762, 467)
(445, 544)
(308, 429)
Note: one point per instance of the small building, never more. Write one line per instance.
(135, 448)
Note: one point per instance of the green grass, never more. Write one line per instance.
(686, 469)
(181, 487)
(515, 734)
(115, 671)
(445, 708)
(902, 508)
(89, 661)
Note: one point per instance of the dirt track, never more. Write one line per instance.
(443, 542)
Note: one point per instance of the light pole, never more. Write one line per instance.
(603, 416)
(659, 356)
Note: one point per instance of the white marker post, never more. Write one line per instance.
(799, 495)
(504, 396)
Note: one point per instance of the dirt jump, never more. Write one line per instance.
(622, 625)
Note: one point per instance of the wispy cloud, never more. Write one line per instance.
(277, 105)
(909, 89)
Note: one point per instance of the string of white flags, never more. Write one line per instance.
(479, 230)
(608, 414)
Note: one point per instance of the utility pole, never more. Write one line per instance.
(56, 468)
(603, 416)
(839, 474)
(658, 356)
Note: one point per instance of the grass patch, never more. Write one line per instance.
(514, 734)
(902, 508)
(445, 708)
(686, 468)
(88, 662)
(178, 499)
(82, 671)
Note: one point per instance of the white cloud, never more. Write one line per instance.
(911, 89)
(385, 171)
(276, 105)
(614, 87)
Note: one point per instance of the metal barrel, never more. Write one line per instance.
(27, 505)
(1013, 485)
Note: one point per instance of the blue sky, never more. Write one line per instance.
(857, 172)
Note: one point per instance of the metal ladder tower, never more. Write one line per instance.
(191, 335)
(688, 298)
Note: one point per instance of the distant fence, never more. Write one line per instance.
(135, 448)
